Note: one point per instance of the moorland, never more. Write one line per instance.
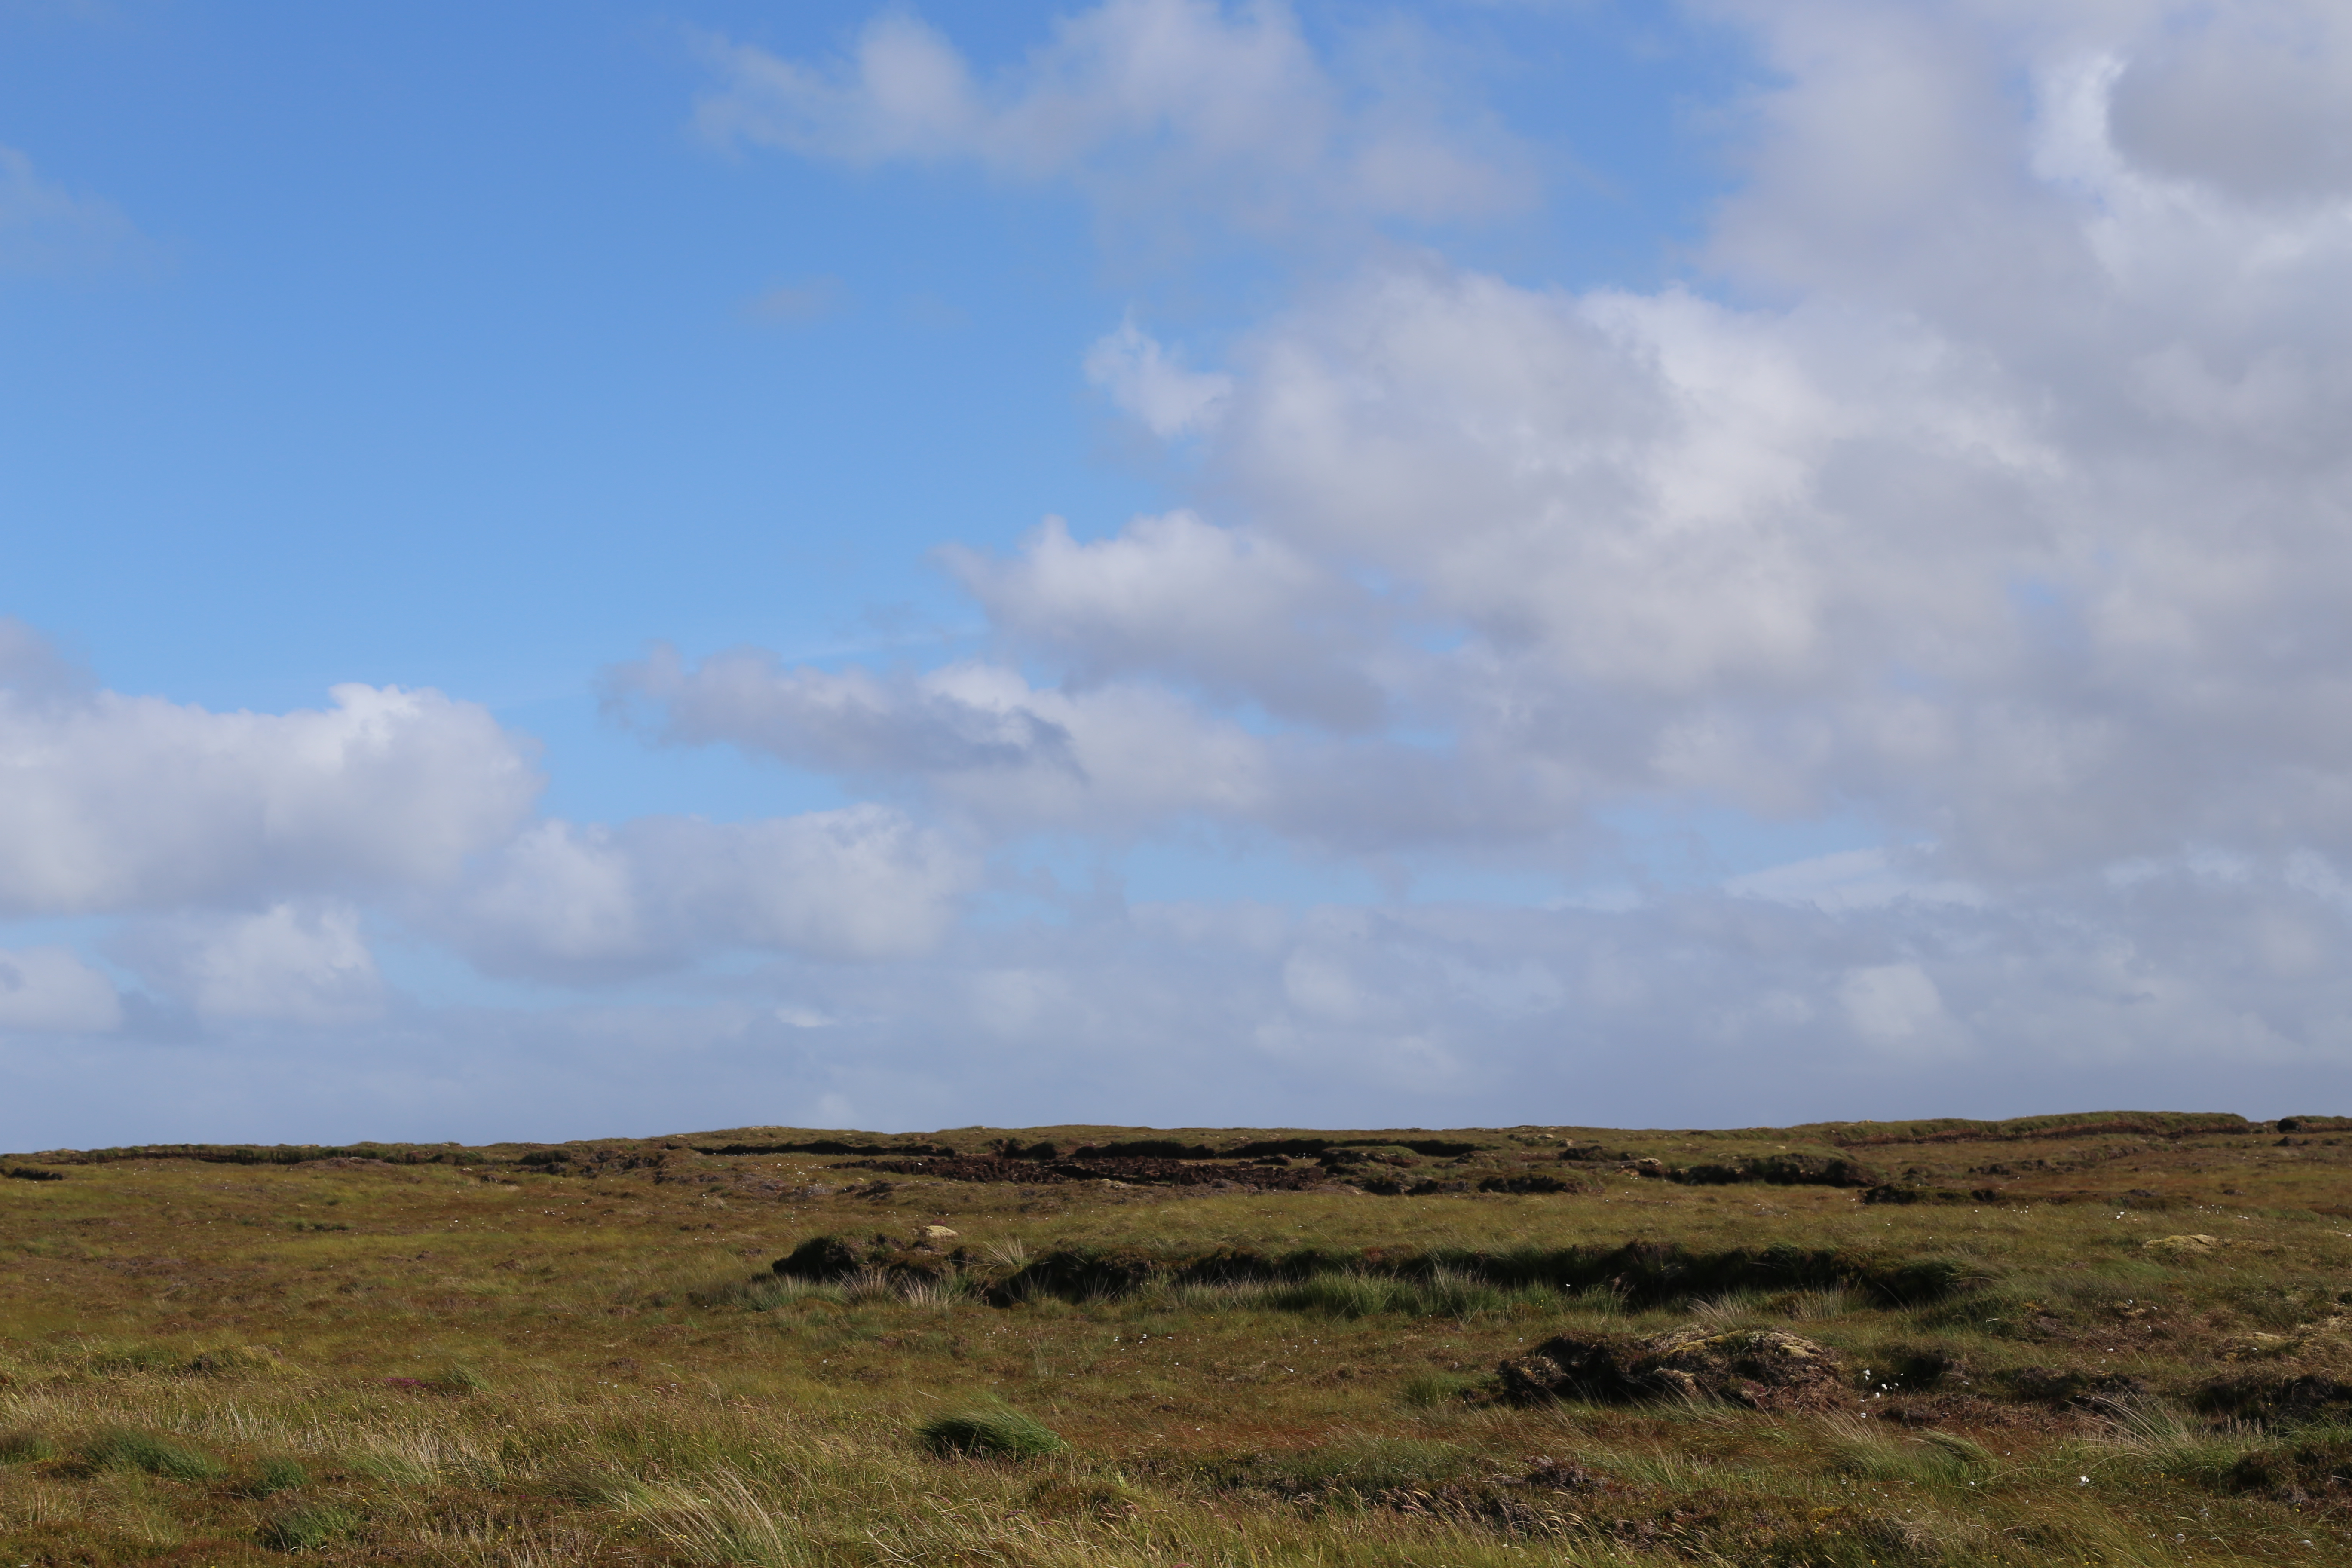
(2114, 1338)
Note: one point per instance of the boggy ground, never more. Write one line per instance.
(2115, 1339)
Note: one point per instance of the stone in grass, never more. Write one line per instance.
(1765, 1369)
(991, 1432)
(2180, 1247)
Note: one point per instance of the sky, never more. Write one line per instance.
(614, 568)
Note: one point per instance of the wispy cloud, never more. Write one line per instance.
(47, 230)
(1149, 106)
(792, 304)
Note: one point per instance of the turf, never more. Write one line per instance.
(2117, 1339)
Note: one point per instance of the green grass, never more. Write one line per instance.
(26, 1449)
(307, 1527)
(273, 1476)
(988, 1434)
(121, 1448)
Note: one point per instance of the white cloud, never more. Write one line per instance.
(1241, 615)
(1120, 758)
(602, 903)
(976, 736)
(48, 990)
(2014, 525)
(1892, 1005)
(2007, 507)
(116, 802)
(1687, 1011)
(1848, 879)
(1146, 381)
(45, 230)
(293, 963)
(250, 852)
(1147, 105)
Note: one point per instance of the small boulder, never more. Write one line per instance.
(2180, 1247)
(939, 1233)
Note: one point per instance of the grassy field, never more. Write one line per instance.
(2110, 1339)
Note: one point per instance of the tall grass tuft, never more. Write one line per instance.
(1441, 1293)
(1865, 1448)
(122, 1448)
(989, 1433)
(273, 1476)
(308, 1528)
(1437, 1389)
(717, 1519)
(459, 1379)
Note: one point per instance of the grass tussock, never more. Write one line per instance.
(121, 1448)
(989, 1433)
(307, 1527)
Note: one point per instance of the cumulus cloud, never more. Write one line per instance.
(1123, 759)
(974, 735)
(293, 963)
(251, 855)
(1146, 381)
(1143, 103)
(603, 903)
(2014, 521)
(49, 990)
(1990, 487)
(1244, 616)
(115, 803)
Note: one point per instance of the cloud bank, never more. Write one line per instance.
(1984, 492)
(2015, 520)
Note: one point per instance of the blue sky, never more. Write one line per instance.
(1616, 563)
